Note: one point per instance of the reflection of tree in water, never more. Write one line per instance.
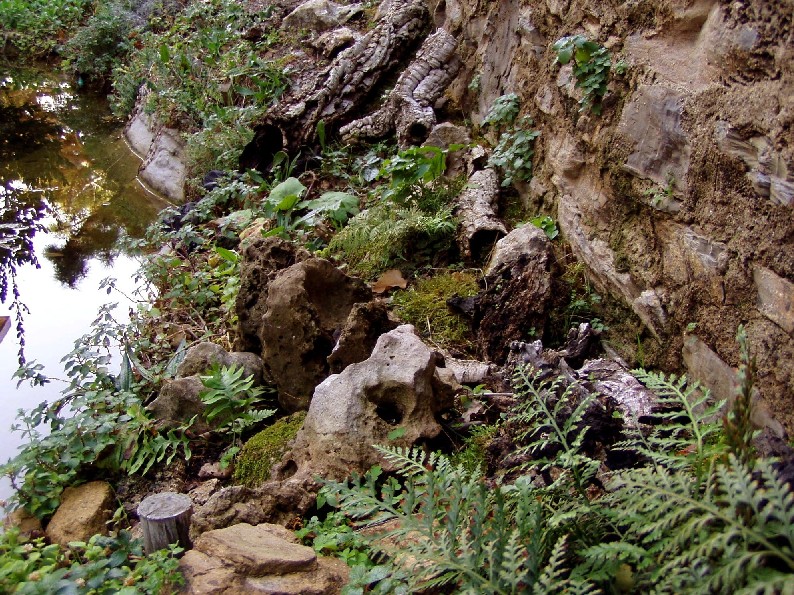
(41, 145)
(19, 221)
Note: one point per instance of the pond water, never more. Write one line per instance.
(69, 193)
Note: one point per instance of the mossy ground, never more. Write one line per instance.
(266, 448)
(425, 306)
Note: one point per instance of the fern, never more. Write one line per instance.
(384, 235)
(556, 426)
(735, 530)
(685, 429)
(454, 529)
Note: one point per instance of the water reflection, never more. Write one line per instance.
(68, 192)
(62, 148)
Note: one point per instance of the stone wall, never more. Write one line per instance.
(679, 197)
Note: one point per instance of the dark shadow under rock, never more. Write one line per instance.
(365, 324)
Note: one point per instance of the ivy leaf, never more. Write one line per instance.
(564, 55)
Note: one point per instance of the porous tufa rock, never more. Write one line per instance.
(399, 390)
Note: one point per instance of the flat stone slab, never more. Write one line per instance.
(775, 298)
(256, 550)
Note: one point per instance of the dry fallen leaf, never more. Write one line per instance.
(388, 280)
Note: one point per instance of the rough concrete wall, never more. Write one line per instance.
(707, 102)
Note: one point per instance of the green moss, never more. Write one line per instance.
(474, 452)
(425, 306)
(253, 464)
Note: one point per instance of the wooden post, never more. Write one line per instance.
(165, 519)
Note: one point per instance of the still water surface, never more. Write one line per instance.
(62, 157)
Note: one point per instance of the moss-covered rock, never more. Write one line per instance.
(266, 448)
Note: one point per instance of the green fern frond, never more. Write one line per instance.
(553, 579)
(383, 235)
(454, 529)
(715, 536)
(686, 429)
(554, 418)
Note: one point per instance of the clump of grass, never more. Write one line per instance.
(263, 450)
(425, 306)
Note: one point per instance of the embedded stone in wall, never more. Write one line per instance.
(768, 172)
(566, 159)
(164, 168)
(775, 298)
(712, 372)
(600, 261)
(652, 123)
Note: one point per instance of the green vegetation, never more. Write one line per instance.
(410, 221)
(252, 467)
(425, 306)
(206, 78)
(691, 517)
(591, 66)
(104, 565)
(34, 27)
(515, 148)
(229, 401)
(103, 43)
(547, 224)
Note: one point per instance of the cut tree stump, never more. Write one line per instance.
(165, 519)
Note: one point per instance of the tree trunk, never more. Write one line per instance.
(165, 519)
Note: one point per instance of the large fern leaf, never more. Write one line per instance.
(453, 528)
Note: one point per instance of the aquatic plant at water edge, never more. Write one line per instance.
(19, 222)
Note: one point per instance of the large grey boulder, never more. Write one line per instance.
(403, 386)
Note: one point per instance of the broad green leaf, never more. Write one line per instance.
(227, 255)
(289, 190)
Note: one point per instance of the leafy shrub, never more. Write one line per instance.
(592, 64)
(102, 566)
(425, 306)
(102, 43)
(107, 426)
(262, 450)
(516, 146)
(35, 27)
(205, 77)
